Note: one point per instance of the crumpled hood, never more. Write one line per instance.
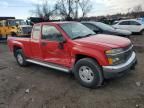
(105, 41)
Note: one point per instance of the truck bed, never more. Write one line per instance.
(23, 41)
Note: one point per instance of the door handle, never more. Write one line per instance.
(44, 43)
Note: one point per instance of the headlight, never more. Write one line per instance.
(114, 51)
(114, 56)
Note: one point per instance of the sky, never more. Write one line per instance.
(22, 8)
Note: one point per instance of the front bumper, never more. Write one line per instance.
(118, 70)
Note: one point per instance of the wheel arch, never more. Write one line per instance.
(142, 30)
(81, 56)
(15, 48)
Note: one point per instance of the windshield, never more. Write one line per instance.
(104, 26)
(75, 30)
(21, 22)
(11, 23)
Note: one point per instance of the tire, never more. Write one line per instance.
(0, 37)
(13, 34)
(93, 77)
(21, 59)
(142, 32)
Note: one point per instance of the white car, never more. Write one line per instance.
(133, 25)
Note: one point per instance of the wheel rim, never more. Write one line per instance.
(20, 58)
(86, 74)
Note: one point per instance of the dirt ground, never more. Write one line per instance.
(39, 87)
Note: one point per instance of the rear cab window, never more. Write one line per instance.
(36, 32)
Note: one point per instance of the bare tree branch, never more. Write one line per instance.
(85, 6)
(44, 10)
(137, 8)
(66, 8)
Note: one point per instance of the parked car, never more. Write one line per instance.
(133, 25)
(141, 19)
(14, 27)
(102, 28)
(72, 47)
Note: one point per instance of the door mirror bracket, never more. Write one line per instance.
(61, 43)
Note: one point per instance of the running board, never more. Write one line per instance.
(50, 65)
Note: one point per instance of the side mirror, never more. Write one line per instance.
(61, 42)
(17, 24)
(61, 39)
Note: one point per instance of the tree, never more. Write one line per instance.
(137, 8)
(85, 6)
(65, 8)
(43, 10)
(70, 8)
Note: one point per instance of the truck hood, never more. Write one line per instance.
(103, 40)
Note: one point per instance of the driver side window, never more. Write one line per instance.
(51, 33)
(124, 23)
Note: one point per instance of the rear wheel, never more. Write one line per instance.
(21, 59)
(0, 37)
(13, 34)
(88, 73)
(142, 32)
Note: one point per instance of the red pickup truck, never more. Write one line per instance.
(72, 47)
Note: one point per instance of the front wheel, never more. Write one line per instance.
(88, 73)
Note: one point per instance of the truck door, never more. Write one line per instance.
(35, 42)
(7, 28)
(2, 28)
(124, 25)
(52, 51)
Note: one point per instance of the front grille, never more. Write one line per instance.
(128, 52)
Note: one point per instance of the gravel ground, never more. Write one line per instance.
(39, 87)
(137, 39)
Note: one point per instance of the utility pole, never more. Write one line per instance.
(69, 3)
(76, 15)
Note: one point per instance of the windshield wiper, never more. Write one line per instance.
(78, 37)
(88, 35)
